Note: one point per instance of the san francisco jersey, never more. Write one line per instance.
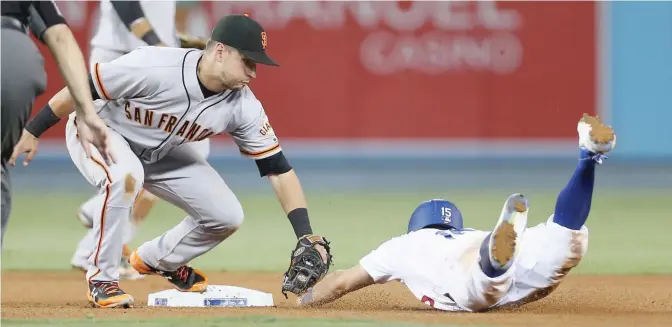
(152, 97)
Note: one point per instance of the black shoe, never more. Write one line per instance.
(185, 278)
(108, 295)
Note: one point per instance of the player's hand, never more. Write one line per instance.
(309, 263)
(323, 252)
(92, 130)
(27, 144)
(305, 299)
(188, 41)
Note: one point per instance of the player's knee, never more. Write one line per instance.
(126, 185)
(225, 217)
(147, 196)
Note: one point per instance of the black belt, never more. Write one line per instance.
(14, 24)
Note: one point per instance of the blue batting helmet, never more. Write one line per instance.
(439, 214)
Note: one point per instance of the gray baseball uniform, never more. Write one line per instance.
(154, 107)
(106, 48)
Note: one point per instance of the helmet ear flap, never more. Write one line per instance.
(436, 213)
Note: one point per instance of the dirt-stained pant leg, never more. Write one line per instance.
(120, 184)
(91, 207)
(23, 79)
(185, 179)
(548, 252)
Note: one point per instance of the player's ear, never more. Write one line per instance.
(218, 50)
(223, 51)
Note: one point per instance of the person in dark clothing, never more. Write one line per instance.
(24, 78)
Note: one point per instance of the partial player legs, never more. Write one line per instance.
(142, 206)
(6, 201)
(141, 209)
(23, 79)
(494, 273)
(86, 245)
(186, 180)
(499, 249)
(574, 201)
(573, 204)
(551, 249)
(120, 184)
(548, 252)
(88, 209)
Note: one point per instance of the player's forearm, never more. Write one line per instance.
(327, 290)
(62, 103)
(288, 190)
(59, 106)
(290, 194)
(133, 17)
(336, 285)
(71, 63)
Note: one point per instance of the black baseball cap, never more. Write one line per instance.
(245, 35)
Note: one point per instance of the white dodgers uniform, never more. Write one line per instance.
(442, 269)
(154, 106)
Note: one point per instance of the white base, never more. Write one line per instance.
(214, 296)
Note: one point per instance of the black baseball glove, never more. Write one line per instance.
(306, 267)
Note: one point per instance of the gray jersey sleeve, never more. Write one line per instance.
(254, 135)
(127, 77)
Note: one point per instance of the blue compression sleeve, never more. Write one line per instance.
(573, 204)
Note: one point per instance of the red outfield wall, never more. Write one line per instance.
(434, 70)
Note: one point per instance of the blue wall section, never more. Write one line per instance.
(641, 77)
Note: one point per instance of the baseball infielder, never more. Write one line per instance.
(124, 26)
(158, 101)
(457, 269)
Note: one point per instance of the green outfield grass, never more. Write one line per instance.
(628, 229)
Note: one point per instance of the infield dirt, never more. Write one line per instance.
(579, 301)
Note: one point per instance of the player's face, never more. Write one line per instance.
(236, 71)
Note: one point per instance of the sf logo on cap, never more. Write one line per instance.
(264, 40)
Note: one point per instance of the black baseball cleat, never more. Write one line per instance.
(108, 295)
(185, 278)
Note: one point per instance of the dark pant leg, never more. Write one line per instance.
(23, 79)
(6, 202)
